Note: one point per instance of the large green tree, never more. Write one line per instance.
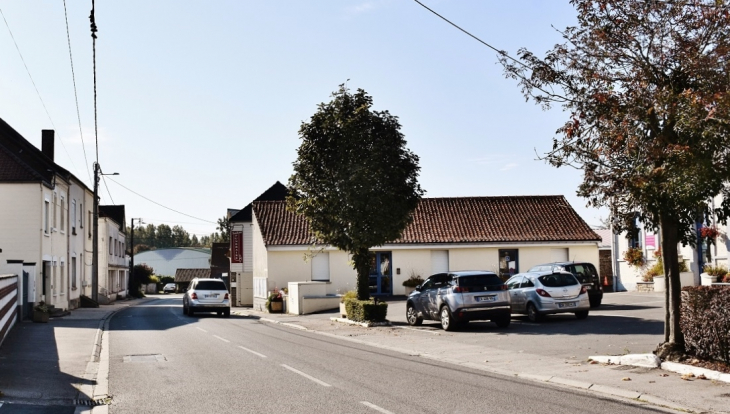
(354, 179)
(644, 85)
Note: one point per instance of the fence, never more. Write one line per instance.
(8, 304)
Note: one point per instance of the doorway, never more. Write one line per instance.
(381, 273)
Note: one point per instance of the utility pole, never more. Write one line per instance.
(131, 260)
(95, 239)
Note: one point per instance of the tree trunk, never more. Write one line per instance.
(673, 296)
(361, 258)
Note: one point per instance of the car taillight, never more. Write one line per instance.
(193, 295)
(226, 297)
(583, 290)
(460, 289)
(542, 293)
(504, 287)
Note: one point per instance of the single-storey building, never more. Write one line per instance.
(506, 235)
(166, 261)
(183, 277)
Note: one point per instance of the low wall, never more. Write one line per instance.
(310, 297)
(8, 304)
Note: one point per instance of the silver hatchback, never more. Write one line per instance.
(542, 293)
(207, 295)
(456, 298)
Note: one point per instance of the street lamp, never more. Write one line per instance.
(95, 241)
(131, 260)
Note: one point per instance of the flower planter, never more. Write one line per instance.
(707, 280)
(687, 279)
(276, 306)
(644, 286)
(343, 310)
(41, 317)
(660, 284)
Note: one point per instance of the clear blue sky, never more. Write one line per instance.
(200, 102)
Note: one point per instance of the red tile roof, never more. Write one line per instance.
(506, 219)
(186, 275)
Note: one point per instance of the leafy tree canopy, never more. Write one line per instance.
(645, 86)
(354, 179)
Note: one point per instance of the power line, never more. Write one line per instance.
(36, 89)
(107, 190)
(163, 206)
(76, 95)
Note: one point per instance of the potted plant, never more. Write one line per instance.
(41, 312)
(712, 273)
(411, 283)
(634, 256)
(275, 301)
(350, 294)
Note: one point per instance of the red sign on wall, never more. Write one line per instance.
(236, 247)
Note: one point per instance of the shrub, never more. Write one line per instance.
(634, 257)
(657, 269)
(719, 270)
(350, 294)
(726, 279)
(705, 321)
(366, 310)
(413, 281)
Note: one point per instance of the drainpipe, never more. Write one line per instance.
(614, 254)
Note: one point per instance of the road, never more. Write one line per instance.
(164, 362)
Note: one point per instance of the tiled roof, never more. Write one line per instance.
(20, 161)
(186, 275)
(504, 219)
(278, 191)
(114, 212)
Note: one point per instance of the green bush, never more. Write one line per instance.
(366, 310)
(705, 321)
(718, 270)
(350, 294)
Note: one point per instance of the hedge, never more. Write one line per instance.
(705, 321)
(366, 310)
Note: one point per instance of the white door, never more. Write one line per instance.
(439, 261)
(559, 255)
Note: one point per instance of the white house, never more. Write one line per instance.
(114, 268)
(502, 234)
(241, 245)
(649, 242)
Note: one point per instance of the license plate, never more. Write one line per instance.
(588, 287)
(567, 305)
(486, 298)
(212, 295)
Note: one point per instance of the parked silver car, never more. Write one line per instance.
(456, 298)
(543, 293)
(206, 295)
(169, 288)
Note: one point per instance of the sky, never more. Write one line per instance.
(199, 103)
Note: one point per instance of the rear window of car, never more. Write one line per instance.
(541, 268)
(480, 283)
(558, 280)
(210, 285)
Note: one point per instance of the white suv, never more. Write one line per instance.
(207, 295)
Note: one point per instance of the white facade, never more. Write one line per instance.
(113, 261)
(80, 242)
(649, 241)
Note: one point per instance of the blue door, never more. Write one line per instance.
(381, 273)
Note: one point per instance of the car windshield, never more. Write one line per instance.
(210, 285)
(480, 283)
(558, 280)
(541, 268)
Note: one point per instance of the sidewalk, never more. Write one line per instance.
(57, 363)
(654, 387)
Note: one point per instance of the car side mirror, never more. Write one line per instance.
(418, 288)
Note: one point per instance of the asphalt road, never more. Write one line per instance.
(164, 362)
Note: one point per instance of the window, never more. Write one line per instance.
(63, 279)
(73, 272)
(508, 263)
(111, 247)
(63, 214)
(92, 225)
(321, 267)
(47, 217)
(634, 235)
(73, 216)
(55, 201)
(81, 215)
(558, 280)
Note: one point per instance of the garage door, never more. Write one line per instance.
(439, 261)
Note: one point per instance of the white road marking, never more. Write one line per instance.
(222, 339)
(252, 351)
(616, 315)
(322, 383)
(375, 407)
(201, 329)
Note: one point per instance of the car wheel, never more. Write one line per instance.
(503, 321)
(447, 321)
(185, 310)
(412, 316)
(581, 314)
(532, 313)
(191, 312)
(595, 302)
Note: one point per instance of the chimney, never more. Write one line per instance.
(47, 143)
